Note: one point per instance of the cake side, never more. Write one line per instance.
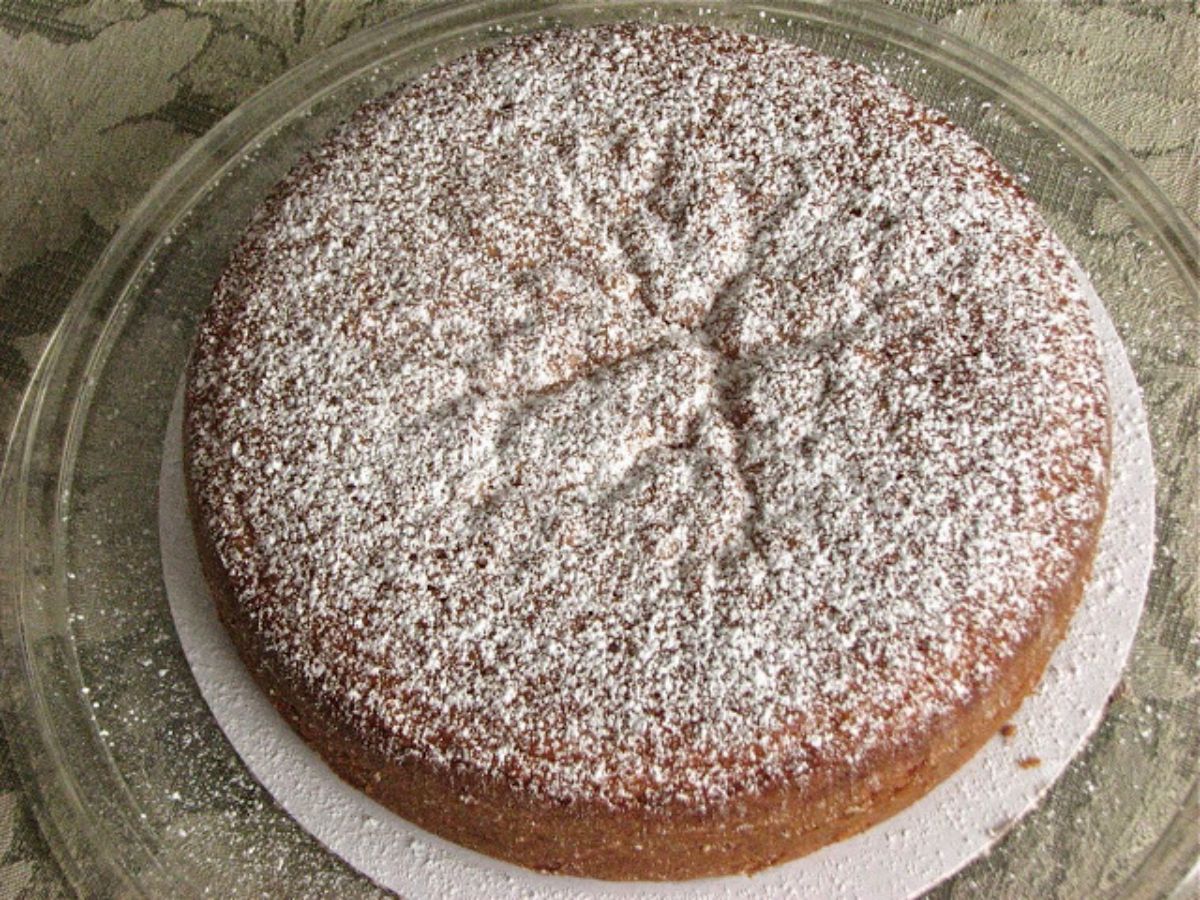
(647, 452)
(593, 839)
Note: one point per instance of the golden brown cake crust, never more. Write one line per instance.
(593, 839)
(662, 491)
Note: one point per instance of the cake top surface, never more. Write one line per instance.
(645, 413)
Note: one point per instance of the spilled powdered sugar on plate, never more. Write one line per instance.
(901, 856)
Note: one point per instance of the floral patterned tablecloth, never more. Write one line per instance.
(97, 98)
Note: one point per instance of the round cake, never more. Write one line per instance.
(647, 451)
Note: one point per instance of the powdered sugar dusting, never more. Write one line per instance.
(647, 413)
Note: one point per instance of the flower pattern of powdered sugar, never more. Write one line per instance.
(647, 413)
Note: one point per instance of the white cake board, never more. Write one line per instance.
(901, 857)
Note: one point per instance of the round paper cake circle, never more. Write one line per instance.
(900, 857)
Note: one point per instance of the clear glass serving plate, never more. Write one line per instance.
(135, 787)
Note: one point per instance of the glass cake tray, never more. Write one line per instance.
(134, 785)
